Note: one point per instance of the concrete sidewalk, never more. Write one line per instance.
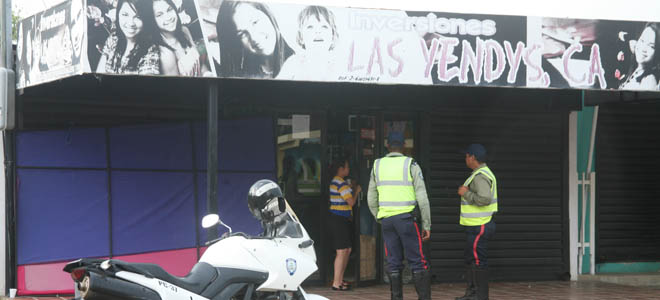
(550, 290)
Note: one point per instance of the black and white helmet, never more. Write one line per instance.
(265, 200)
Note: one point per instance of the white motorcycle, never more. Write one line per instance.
(235, 266)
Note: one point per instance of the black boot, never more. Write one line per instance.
(470, 290)
(396, 285)
(423, 284)
(481, 281)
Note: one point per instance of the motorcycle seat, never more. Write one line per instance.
(201, 275)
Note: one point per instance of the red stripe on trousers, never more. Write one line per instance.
(419, 238)
(384, 244)
(474, 247)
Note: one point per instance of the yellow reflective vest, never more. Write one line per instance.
(396, 193)
(473, 215)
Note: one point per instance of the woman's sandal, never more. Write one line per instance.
(346, 284)
(341, 288)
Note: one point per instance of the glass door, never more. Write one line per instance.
(299, 171)
(367, 230)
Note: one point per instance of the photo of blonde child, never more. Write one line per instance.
(317, 36)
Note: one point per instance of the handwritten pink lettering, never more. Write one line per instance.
(375, 54)
(540, 74)
(566, 57)
(473, 59)
(514, 59)
(596, 67)
(429, 55)
(398, 59)
(489, 74)
(446, 58)
(351, 59)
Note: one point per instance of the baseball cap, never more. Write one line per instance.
(478, 150)
(395, 138)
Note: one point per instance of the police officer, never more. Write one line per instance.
(396, 187)
(478, 205)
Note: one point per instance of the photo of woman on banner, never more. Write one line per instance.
(179, 55)
(38, 61)
(644, 70)
(567, 52)
(100, 15)
(317, 36)
(29, 56)
(131, 48)
(189, 18)
(251, 44)
(20, 56)
(76, 30)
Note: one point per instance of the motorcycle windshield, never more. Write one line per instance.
(284, 225)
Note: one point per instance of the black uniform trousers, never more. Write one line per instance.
(476, 247)
(401, 234)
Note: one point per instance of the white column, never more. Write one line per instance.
(592, 195)
(573, 194)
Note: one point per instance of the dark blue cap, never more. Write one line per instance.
(395, 138)
(478, 150)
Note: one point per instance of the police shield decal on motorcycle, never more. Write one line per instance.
(291, 266)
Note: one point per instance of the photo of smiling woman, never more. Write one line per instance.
(644, 70)
(251, 44)
(131, 48)
(179, 56)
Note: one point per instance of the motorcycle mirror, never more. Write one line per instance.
(210, 220)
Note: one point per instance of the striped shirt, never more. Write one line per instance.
(339, 193)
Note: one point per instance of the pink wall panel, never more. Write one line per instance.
(175, 262)
(49, 279)
(44, 279)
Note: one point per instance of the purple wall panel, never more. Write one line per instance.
(152, 211)
(62, 214)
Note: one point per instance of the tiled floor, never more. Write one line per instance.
(507, 290)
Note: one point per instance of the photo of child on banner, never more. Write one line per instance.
(146, 37)
(317, 36)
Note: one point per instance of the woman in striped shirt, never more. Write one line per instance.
(342, 200)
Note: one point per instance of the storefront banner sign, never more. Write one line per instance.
(277, 41)
(51, 44)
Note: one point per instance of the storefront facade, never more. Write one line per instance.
(136, 145)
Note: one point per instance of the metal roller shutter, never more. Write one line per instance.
(627, 160)
(527, 153)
